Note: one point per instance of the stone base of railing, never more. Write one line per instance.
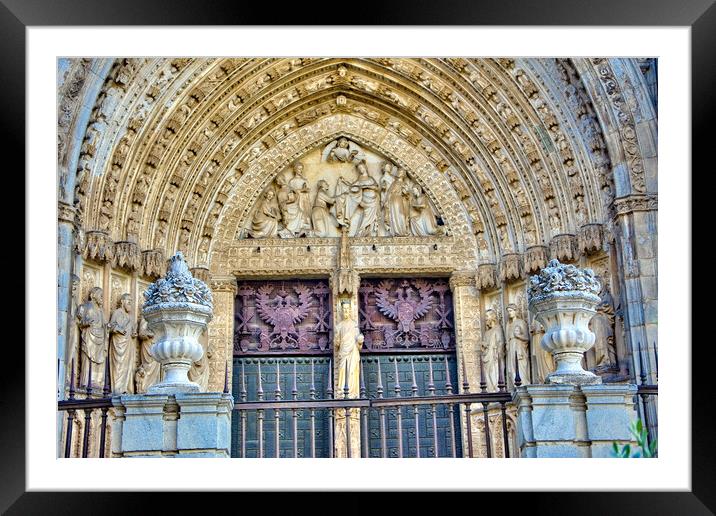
(172, 425)
(573, 420)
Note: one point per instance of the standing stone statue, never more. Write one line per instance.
(544, 362)
(397, 206)
(492, 345)
(73, 337)
(347, 352)
(602, 324)
(93, 334)
(347, 343)
(299, 185)
(367, 224)
(517, 345)
(122, 349)
(148, 371)
(266, 217)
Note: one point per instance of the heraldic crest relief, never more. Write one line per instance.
(406, 314)
(282, 316)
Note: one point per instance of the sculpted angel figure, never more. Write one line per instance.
(122, 351)
(422, 218)
(343, 150)
(397, 206)
(321, 217)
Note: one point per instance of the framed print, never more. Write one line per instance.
(386, 254)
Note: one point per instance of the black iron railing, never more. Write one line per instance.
(87, 405)
(648, 396)
(409, 412)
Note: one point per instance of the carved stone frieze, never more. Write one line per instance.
(631, 203)
(462, 279)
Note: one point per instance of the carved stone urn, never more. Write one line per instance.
(177, 308)
(563, 298)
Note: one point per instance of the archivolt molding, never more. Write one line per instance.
(178, 148)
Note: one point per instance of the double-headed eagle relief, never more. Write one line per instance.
(406, 315)
(343, 186)
(282, 316)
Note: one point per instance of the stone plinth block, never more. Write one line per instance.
(610, 411)
(180, 425)
(573, 420)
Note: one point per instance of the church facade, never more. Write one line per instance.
(367, 228)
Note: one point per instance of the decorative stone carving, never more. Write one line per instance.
(563, 248)
(590, 238)
(73, 333)
(177, 309)
(517, 347)
(122, 348)
(93, 339)
(396, 204)
(127, 256)
(510, 267)
(201, 273)
(563, 299)
(343, 150)
(148, 371)
(635, 202)
(487, 276)
(99, 246)
(153, 263)
(536, 258)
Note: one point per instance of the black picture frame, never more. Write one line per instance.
(16, 15)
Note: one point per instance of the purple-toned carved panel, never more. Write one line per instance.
(284, 316)
(406, 315)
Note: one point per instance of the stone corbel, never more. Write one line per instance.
(462, 279)
(153, 263)
(98, 247)
(511, 267)
(590, 238)
(201, 273)
(536, 258)
(487, 276)
(563, 247)
(127, 256)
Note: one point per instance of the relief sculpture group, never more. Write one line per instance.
(390, 204)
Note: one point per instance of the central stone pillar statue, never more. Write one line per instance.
(573, 415)
(347, 342)
(174, 418)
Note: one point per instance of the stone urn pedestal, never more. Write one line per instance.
(177, 309)
(563, 299)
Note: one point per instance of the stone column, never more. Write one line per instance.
(466, 309)
(573, 415)
(221, 331)
(65, 249)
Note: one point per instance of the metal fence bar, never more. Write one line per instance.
(294, 414)
(260, 412)
(451, 410)
(383, 438)
(433, 407)
(399, 411)
(312, 395)
(414, 389)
